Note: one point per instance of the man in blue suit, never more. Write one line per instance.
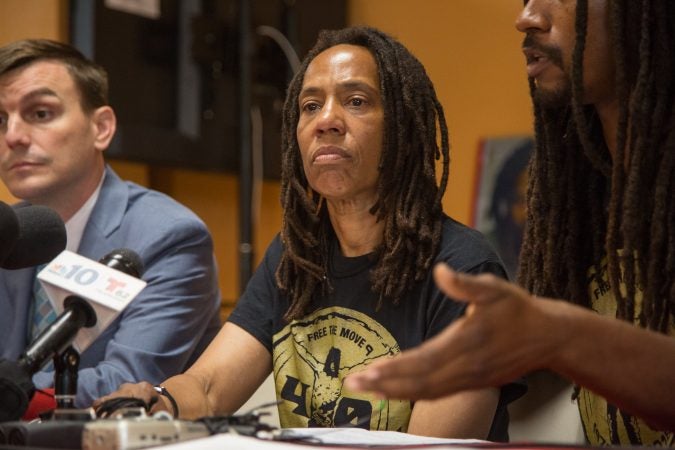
(55, 124)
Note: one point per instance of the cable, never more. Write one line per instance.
(257, 157)
(108, 407)
(283, 43)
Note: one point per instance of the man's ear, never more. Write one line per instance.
(104, 121)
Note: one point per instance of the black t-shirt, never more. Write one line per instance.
(346, 331)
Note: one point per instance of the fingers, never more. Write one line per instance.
(413, 374)
(374, 380)
(462, 355)
(143, 391)
(473, 288)
(387, 381)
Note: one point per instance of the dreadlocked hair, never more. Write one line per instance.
(409, 195)
(623, 210)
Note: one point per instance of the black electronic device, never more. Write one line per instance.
(174, 74)
(64, 434)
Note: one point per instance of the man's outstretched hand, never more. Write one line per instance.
(504, 334)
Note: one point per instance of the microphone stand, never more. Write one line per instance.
(66, 365)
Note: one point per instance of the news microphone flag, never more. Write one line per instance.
(107, 290)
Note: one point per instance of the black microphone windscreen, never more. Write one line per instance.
(9, 230)
(16, 390)
(42, 236)
(124, 260)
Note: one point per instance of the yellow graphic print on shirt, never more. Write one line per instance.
(311, 358)
(604, 423)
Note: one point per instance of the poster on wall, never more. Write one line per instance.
(500, 207)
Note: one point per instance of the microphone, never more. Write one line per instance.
(9, 230)
(41, 236)
(77, 313)
(16, 386)
(124, 260)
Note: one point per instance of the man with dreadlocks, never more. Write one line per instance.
(600, 232)
(348, 281)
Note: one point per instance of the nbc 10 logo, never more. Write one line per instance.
(86, 276)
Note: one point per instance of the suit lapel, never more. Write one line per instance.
(106, 217)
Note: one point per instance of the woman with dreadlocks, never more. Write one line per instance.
(600, 232)
(348, 280)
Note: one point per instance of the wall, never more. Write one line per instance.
(32, 18)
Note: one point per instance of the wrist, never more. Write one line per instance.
(563, 324)
(161, 390)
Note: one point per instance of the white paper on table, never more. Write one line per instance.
(354, 437)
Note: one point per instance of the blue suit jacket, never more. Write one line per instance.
(162, 330)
